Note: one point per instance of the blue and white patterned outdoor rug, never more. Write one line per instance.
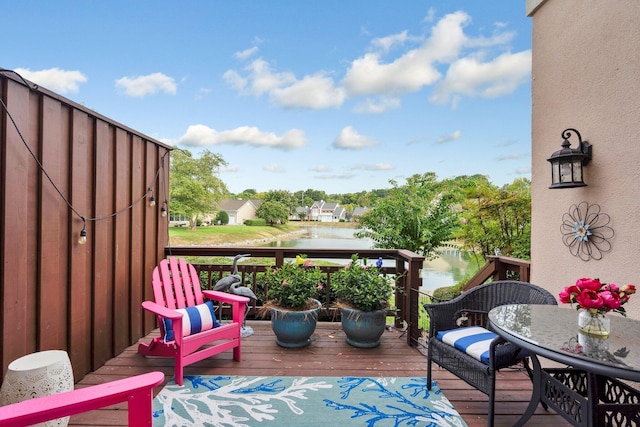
(303, 402)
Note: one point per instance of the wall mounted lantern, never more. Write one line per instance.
(566, 164)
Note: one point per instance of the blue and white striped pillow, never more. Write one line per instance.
(473, 340)
(195, 319)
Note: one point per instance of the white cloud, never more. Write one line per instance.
(443, 139)
(350, 139)
(413, 70)
(202, 92)
(235, 80)
(201, 135)
(247, 53)
(54, 79)
(262, 79)
(230, 169)
(382, 105)
(386, 43)
(431, 15)
(320, 168)
(314, 92)
(500, 76)
(273, 167)
(375, 167)
(140, 86)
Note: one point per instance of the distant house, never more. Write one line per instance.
(239, 210)
(358, 212)
(301, 213)
(326, 212)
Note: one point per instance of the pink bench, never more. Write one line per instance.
(136, 391)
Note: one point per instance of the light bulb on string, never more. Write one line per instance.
(163, 209)
(83, 233)
(152, 200)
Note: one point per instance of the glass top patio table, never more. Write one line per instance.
(588, 392)
(552, 332)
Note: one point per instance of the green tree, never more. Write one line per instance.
(418, 216)
(248, 194)
(282, 196)
(195, 189)
(273, 212)
(497, 220)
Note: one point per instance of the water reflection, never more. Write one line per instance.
(448, 269)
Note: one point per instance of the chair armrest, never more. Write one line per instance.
(225, 297)
(441, 316)
(136, 391)
(161, 310)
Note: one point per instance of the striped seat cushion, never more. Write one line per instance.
(473, 340)
(195, 319)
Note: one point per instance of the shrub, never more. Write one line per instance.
(362, 287)
(222, 218)
(291, 286)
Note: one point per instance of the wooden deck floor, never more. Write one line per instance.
(328, 355)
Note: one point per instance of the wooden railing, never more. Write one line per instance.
(406, 268)
(500, 268)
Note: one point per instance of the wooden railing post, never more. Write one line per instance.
(413, 281)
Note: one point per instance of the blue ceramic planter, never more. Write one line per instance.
(293, 329)
(363, 328)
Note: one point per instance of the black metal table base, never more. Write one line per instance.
(583, 398)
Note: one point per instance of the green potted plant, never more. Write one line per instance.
(363, 294)
(292, 302)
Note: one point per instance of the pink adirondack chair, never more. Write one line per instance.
(186, 338)
(136, 391)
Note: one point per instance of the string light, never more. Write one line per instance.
(163, 209)
(83, 233)
(152, 200)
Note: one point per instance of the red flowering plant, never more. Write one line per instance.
(597, 297)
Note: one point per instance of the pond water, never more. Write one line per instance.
(449, 268)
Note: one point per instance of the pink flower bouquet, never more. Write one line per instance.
(597, 297)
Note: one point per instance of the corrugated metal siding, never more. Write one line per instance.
(55, 293)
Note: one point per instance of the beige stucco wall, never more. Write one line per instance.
(586, 75)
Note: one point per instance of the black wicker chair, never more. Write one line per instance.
(470, 309)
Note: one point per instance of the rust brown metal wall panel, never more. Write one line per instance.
(121, 270)
(18, 332)
(54, 292)
(138, 185)
(103, 246)
(151, 216)
(53, 231)
(81, 155)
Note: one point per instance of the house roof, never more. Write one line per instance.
(359, 211)
(232, 205)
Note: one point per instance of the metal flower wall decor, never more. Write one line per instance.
(586, 232)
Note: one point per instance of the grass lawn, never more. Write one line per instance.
(221, 234)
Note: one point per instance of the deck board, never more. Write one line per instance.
(328, 355)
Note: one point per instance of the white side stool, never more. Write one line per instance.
(35, 375)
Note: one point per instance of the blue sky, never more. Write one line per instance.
(340, 96)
